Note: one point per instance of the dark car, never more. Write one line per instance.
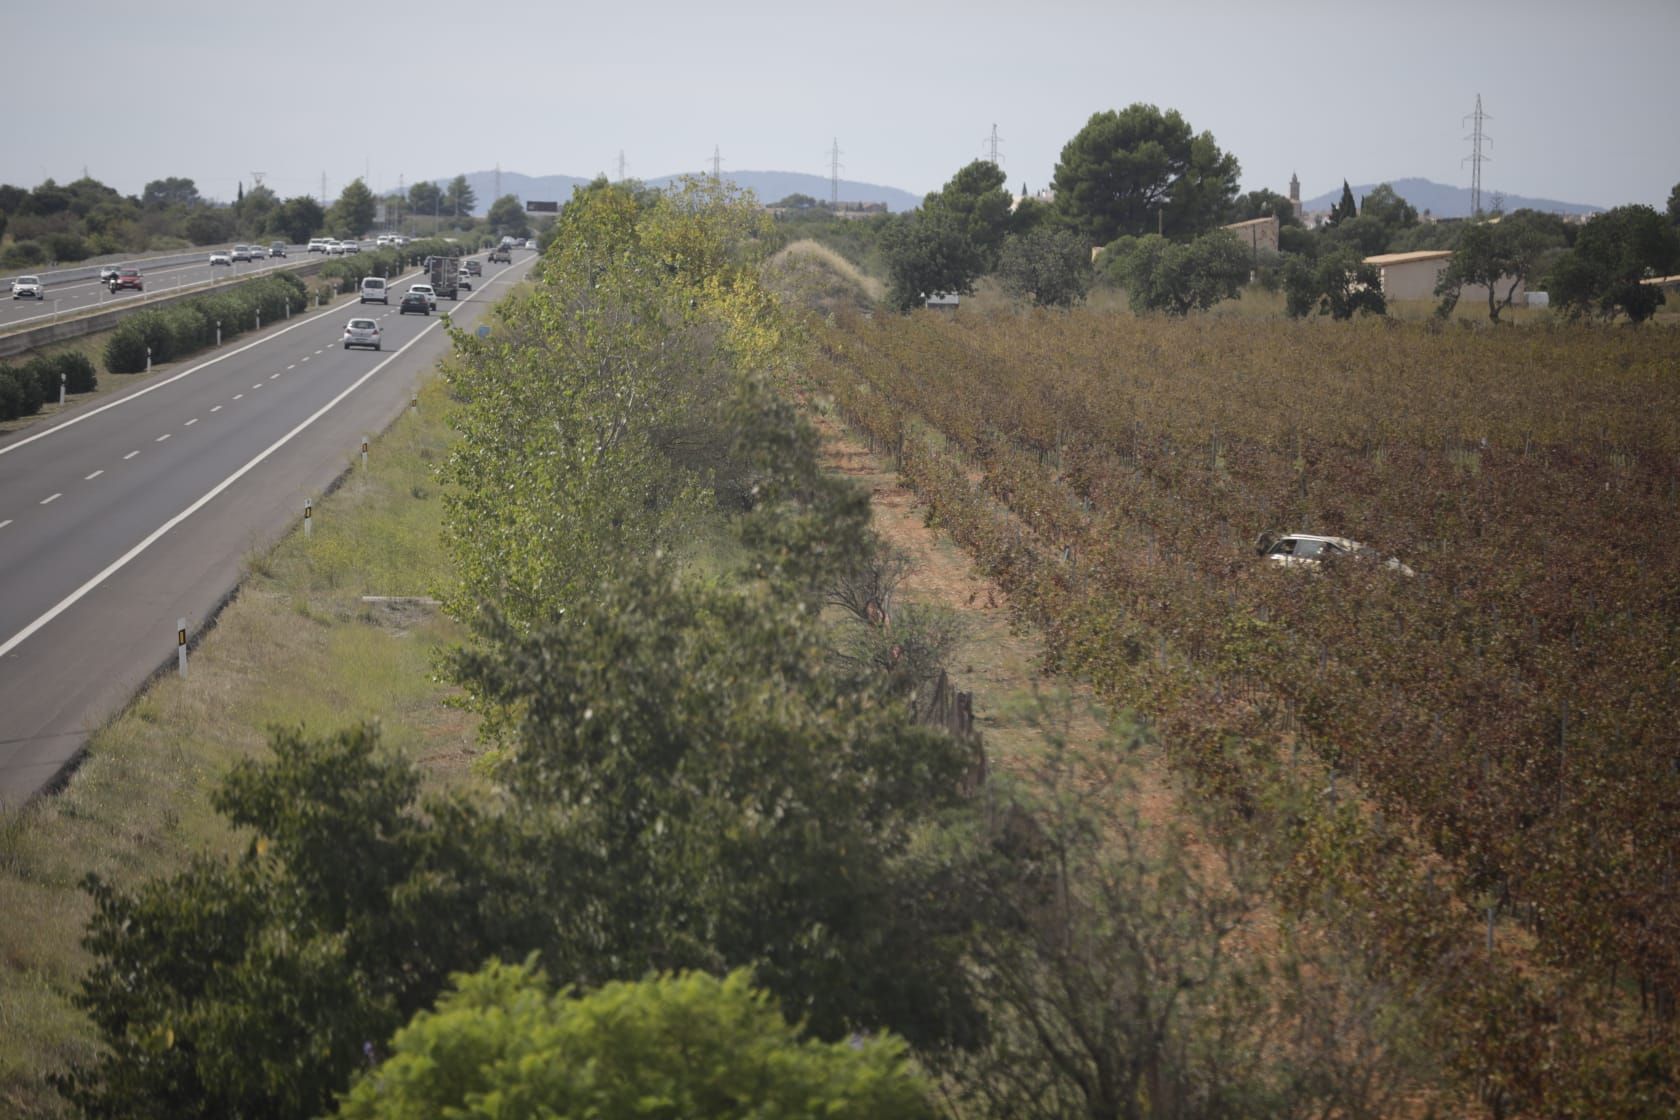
(127, 278)
(474, 267)
(414, 301)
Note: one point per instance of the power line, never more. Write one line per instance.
(1476, 157)
(992, 143)
(717, 163)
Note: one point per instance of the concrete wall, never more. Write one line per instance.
(1416, 280)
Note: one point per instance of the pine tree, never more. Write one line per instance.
(1346, 208)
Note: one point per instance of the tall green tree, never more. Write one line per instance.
(1503, 255)
(702, 1048)
(507, 217)
(352, 215)
(1674, 205)
(1614, 252)
(299, 218)
(170, 192)
(425, 198)
(1344, 209)
(459, 198)
(1129, 172)
(929, 251)
(976, 199)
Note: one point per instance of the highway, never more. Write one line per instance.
(76, 289)
(122, 516)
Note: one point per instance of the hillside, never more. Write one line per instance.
(1450, 202)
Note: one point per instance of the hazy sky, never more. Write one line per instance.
(1581, 96)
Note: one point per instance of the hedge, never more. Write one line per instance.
(25, 388)
(184, 328)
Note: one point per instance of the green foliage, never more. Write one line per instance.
(425, 197)
(183, 328)
(507, 217)
(11, 395)
(352, 215)
(459, 198)
(1125, 168)
(1339, 284)
(1050, 267)
(686, 1046)
(1264, 204)
(1509, 252)
(1674, 205)
(1613, 253)
(1345, 208)
(173, 191)
(927, 252)
(975, 198)
(298, 219)
(22, 254)
(1159, 275)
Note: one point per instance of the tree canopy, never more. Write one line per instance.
(459, 198)
(1613, 253)
(1159, 275)
(352, 215)
(1491, 254)
(507, 217)
(687, 1045)
(1125, 168)
(1050, 267)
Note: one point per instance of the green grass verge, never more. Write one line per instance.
(297, 646)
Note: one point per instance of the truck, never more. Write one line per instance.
(501, 253)
(444, 272)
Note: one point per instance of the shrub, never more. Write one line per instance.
(67, 247)
(26, 390)
(22, 254)
(11, 397)
(78, 371)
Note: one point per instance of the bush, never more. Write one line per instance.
(78, 371)
(25, 396)
(11, 397)
(22, 254)
(67, 247)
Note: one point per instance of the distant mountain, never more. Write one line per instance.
(769, 186)
(1450, 202)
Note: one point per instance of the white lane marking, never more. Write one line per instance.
(318, 351)
(292, 366)
(215, 408)
(5, 523)
(239, 396)
(161, 438)
(152, 538)
(138, 393)
(272, 376)
(190, 423)
(305, 358)
(130, 455)
(258, 385)
(54, 498)
(94, 475)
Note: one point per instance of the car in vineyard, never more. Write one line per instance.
(1309, 550)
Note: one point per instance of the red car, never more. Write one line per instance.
(127, 278)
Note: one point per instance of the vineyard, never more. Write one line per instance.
(1471, 773)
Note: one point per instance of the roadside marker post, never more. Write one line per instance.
(148, 359)
(181, 646)
(308, 517)
(218, 332)
(414, 402)
(259, 318)
(364, 452)
(63, 378)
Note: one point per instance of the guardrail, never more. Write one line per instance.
(75, 324)
(89, 269)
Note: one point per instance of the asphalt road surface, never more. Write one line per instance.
(79, 289)
(122, 516)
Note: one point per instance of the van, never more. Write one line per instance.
(373, 288)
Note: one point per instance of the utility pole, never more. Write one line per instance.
(257, 178)
(992, 148)
(323, 190)
(498, 193)
(717, 163)
(834, 174)
(1476, 157)
(621, 165)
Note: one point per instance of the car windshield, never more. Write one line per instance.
(29, 279)
(128, 272)
(361, 324)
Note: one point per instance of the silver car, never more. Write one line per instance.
(28, 287)
(362, 332)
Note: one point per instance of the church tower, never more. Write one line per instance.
(1295, 193)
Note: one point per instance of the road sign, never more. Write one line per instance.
(533, 206)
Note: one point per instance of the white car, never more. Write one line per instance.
(242, 253)
(334, 249)
(221, 256)
(361, 332)
(28, 287)
(428, 291)
(351, 246)
(108, 274)
(318, 244)
(1308, 550)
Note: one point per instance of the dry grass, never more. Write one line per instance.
(812, 274)
(297, 647)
